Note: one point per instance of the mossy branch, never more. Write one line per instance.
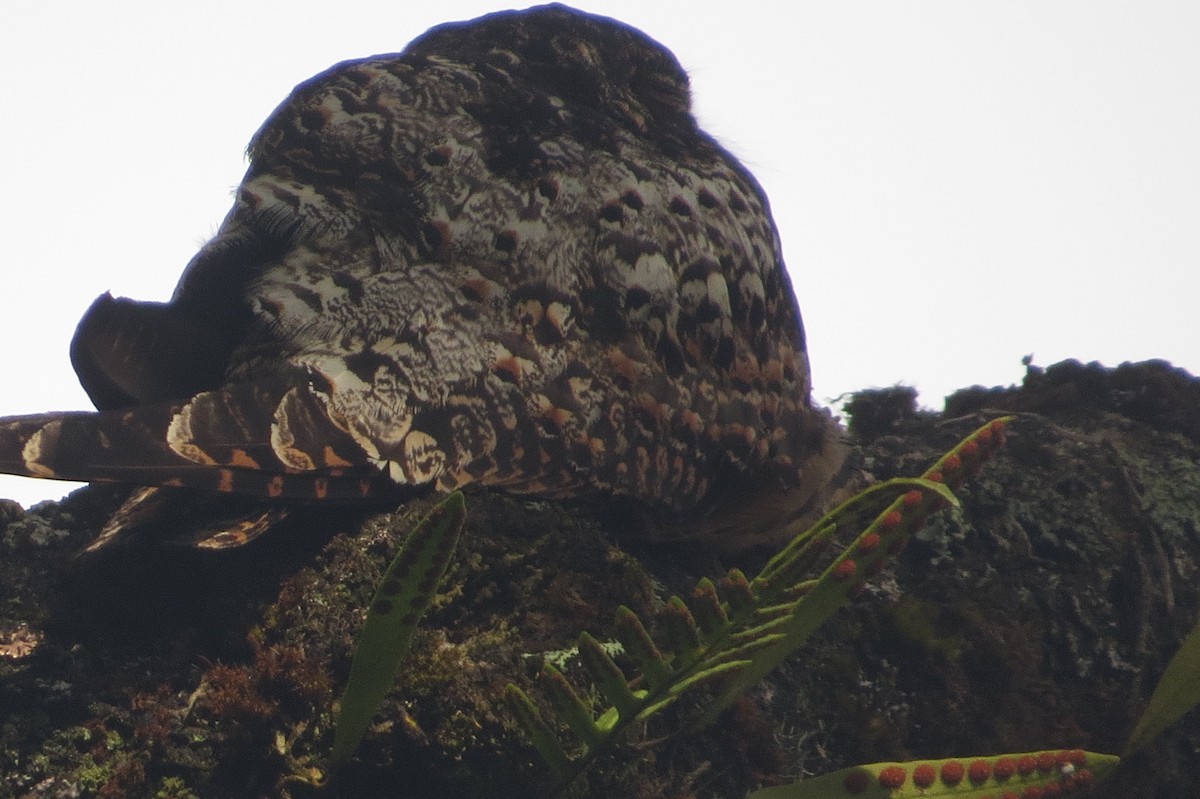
(727, 637)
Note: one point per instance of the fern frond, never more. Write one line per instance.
(1177, 693)
(726, 638)
(543, 738)
(407, 588)
(1054, 772)
(570, 707)
(608, 676)
(641, 648)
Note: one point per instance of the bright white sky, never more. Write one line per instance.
(957, 183)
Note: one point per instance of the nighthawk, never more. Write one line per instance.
(507, 256)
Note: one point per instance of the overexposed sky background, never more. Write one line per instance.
(958, 183)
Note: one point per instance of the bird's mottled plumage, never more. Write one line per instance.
(506, 255)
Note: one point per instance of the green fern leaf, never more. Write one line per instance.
(736, 590)
(640, 646)
(1177, 692)
(543, 738)
(729, 642)
(405, 592)
(570, 707)
(712, 674)
(679, 628)
(608, 676)
(706, 608)
(1048, 773)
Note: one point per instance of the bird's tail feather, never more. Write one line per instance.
(241, 439)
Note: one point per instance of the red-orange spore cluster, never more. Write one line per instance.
(995, 432)
(952, 773)
(1026, 765)
(1046, 762)
(924, 775)
(845, 570)
(979, 771)
(1080, 779)
(913, 498)
(1076, 757)
(1004, 769)
(892, 777)
(892, 520)
(994, 428)
(868, 543)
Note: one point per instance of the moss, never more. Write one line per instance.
(128, 780)
(232, 694)
(174, 788)
(91, 776)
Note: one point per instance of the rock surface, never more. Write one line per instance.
(1037, 616)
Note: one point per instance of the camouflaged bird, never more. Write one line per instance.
(505, 256)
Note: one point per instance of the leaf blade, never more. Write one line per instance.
(1177, 693)
(404, 593)
(1069, 770)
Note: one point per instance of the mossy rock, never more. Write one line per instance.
(1038, 615)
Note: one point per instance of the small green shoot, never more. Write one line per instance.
(403, 595)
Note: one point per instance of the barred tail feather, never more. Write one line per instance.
(226, 441)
